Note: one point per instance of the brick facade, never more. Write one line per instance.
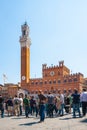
(53, 77)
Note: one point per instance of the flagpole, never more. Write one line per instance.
(4, 78)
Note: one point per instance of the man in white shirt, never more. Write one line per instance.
(61, 111)
(21, 104)
(16, 103)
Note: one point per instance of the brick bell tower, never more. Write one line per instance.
(25, 55)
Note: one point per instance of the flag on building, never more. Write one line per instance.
(4, 78)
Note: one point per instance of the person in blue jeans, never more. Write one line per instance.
(61, 111)
(76, 103)
(42, 100)
(42, 112)
(26, 105)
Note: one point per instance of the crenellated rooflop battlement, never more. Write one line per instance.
(74, 75)
(61, 64)
(61, 68)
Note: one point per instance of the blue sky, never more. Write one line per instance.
(58, 31)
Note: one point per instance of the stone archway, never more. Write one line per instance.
(22, 92)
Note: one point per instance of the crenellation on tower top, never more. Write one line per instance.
(61, 63)
(25, 40)
(44, 66)
(25, 29)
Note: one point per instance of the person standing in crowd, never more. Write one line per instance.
(9, 104)
(50, 101)
(70, 97)
(42, 100)
(67, 103)
(26, 104)
(61, 111)
(2, 106)
(83, 98)
(32, 105)
(16, 102)
(76, 103)
(58, 105)
(37, 105)
(21, 104)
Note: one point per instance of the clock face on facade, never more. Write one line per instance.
(23, 77)
(52, 73)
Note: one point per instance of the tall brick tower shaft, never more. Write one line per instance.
(25, 55)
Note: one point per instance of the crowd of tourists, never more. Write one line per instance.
(49, 105)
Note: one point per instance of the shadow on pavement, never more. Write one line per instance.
(65, 118)
(84, 121)
(29, 124)
(20, 117)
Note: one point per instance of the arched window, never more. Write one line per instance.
(75, 79)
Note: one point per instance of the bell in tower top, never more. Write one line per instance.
(25, 30)
(24, 38)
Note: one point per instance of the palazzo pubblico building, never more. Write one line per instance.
(54, 78)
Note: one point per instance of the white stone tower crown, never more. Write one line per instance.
(25, 39)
